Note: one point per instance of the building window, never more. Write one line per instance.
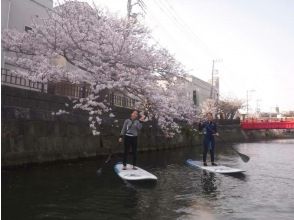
(195, 101)
(27, 28)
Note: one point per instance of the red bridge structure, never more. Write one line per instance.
(254, 124)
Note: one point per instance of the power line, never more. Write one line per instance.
(158, 22)
(171, 14)
(179, 20)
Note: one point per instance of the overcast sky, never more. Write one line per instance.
(253, 41)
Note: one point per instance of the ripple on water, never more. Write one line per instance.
(74, 191)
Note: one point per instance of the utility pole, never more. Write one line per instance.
(247, 107)
(258, 106)
(247, 100)
(130, 5)
(212, 74)
(129, 9)
(212, 93)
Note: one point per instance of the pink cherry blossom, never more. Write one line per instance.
(81, 44)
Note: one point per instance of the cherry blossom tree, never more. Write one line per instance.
(208, 106)
(228, 107)
(107, 52)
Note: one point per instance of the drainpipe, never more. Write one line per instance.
(8, 14)
(7, 26)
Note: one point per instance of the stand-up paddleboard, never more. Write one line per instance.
(133, 175)
(214, 169)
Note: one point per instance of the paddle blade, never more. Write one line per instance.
(244, 157)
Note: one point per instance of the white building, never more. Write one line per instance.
(198, 90)
(18, 14)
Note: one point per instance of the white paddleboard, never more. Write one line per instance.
(131, 174)
(214, 169)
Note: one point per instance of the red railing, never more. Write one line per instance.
(256, 125)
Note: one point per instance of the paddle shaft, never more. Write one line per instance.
(244, 157)
(109, 157)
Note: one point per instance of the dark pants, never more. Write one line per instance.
(130, 142)
(208, 145)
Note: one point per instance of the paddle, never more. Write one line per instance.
(99, 170)
(244, 157)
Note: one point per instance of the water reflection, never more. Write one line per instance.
(208, 182)
(74, 191)
(144, 184)
(240, 176)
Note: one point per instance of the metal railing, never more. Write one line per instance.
(121, 101)
(260, 124)
(68, 89)
(10, 79)
(63, 88)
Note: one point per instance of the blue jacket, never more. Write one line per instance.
(208, 129)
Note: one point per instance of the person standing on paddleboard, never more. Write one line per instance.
(208, 129)
(129, 133)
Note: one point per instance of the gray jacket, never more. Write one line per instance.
(131, 128)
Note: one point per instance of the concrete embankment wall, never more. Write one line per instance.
(32, 134)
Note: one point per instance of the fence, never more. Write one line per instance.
(122, 101)
(10, 79)
(68, 89)
(63, 88)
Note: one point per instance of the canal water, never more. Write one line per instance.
(74, 191)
